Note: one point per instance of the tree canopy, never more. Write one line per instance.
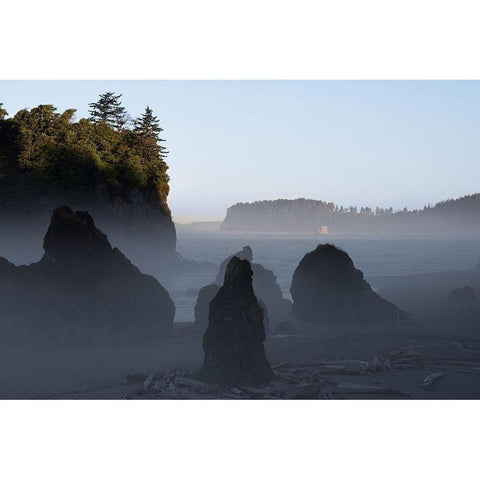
(42, 149)
(3, 112)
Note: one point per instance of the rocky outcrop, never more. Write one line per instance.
(205, 296)
(244, 254)
(81, 289)
(326, 287)
(457, 314)
(267, 289)
(265, 285)
(233, 342)
(139, 226)
(462, 296)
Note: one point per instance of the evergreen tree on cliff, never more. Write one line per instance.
(148, 127)
(109, 109)
(3, 112)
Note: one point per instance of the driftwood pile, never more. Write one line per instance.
(431, 379)
(301, 380)
(404, 360)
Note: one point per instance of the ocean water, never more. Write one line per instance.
(374, 255)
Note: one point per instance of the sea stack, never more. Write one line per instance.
(265, 285)
(233, 342)
(245, 253)
(462, 296)
(205, 296)
(327, 288)
(82, 288)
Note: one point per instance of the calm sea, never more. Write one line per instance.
(375, 256)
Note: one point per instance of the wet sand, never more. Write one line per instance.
(450, 346)
(100, 372)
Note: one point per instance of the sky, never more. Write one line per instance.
(364, 143)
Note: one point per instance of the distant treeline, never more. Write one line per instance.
(460, 215)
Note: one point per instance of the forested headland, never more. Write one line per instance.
(109, 164)
(43, 151)
(461, 215)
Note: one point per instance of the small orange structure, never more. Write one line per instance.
(322, 230)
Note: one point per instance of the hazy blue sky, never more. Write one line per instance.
(354, 143)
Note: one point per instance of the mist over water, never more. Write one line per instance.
(374, 255)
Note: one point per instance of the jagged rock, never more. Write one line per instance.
(139, 223)
(462, 296)
(265, 284)
(326, 287)
(268, 291)
(244, 254)
(81, 288)
(205, 296)
(233, 342)
(266, 316)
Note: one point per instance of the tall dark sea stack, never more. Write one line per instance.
(326, 287)
(265, 284)
(233, 342)
(205, 296)
(244, 254)
(81, 289)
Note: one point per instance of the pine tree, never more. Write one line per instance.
(3, 112)
(148, 126)
(108, 109)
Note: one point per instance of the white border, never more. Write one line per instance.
(239, 439)
(368, 39)
(266, 39)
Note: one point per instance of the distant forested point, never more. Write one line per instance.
(44, 152)
(461, 215)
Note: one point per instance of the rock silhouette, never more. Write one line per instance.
(462, 296)
(244, 254)
(233, 342)
(205, 296)
(326, 287)
(81, 288)
(265, 285)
